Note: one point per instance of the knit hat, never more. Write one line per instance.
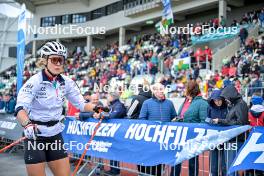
(257, 100)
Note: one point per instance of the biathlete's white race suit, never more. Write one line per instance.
(43, 98)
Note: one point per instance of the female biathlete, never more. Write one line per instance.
(39, 110)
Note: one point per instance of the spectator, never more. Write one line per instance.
(199, 55)
(255, 84)
(134, 111)
(196, 72)
(225, 70)
(211, 83)
(237, 115)
(94, 99)
(10, 103)
(2, 103)
(157, 108)
(137, 102)
(261, 18)
(237, 85)
(223, 21)
(193, 110)
(217, 109)
(232, 70)
(219, 84)
(243, 34)
(256, 112)
(117, 111)
(226, 81)
(208, 52)
(87, 96)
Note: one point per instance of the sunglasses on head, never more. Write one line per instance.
(56, 60)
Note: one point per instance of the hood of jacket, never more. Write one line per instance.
(257, 110)
(230, 93)
(147, 94)
(216, 96)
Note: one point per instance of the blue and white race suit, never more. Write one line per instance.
(43, 100)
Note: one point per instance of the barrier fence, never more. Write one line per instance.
(213, 162)
(207, 164)
(210, 162)
(248, 92)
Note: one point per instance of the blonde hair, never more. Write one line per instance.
(41, 63)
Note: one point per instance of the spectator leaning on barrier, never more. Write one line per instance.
(157, 108)
(93, 99)
(217, 109)
(237, 115)
(256, 112)
(193, 110)
(137, 102)
(117, 111)
(134, 111)
(10, 103)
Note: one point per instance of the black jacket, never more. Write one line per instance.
(117, 110)
(136, 104)
(238, 111)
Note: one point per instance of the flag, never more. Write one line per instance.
(21, 37)
(181, 64)
(167, 17)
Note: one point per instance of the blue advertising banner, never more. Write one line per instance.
(145, 142)
(21, 46)
(218, 34)
(251, 154)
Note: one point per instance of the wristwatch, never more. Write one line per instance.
(25, 123)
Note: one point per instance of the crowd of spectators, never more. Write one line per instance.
(144, 55)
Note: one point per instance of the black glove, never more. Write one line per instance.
(102, 108)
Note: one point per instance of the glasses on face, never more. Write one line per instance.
(56, 60)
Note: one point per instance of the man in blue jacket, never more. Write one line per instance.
(157, 108)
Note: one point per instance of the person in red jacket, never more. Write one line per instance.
(225, 70)
(199, 55)
(256, 112)
(208, 51)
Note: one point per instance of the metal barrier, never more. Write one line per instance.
(210, 163)
(4, 142)
(249, 91)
